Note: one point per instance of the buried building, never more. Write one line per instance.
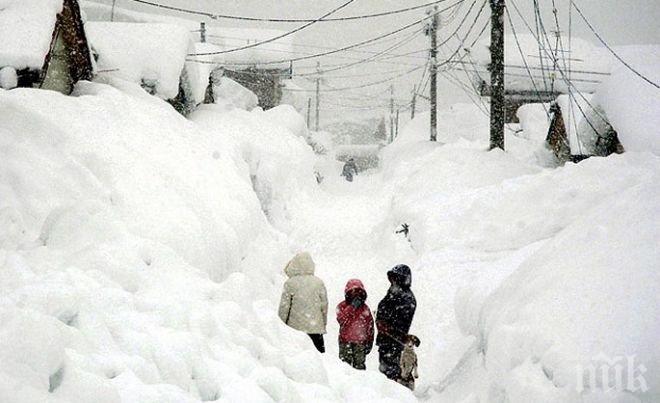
(152, 55)
(580, 129)
(43, 45)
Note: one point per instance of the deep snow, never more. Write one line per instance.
(141, 255)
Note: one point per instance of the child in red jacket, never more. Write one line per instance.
(356, 325)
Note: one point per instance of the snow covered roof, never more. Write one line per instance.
(223, 37)
(632, 104)
(140, 52)
(624, 101)
(589, 65)
(26, 31)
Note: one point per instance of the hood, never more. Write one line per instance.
(400, 275)
(354, 284)
(301, 265)
(354, 288)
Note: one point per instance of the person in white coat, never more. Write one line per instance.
(304, 301)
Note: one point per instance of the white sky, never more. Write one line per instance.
(621, 22)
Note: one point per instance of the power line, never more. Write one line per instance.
(374, 57)
(284, 20)
(315, 46)
(288, 33)
(461, 45)
(600, 38)
(516, 66)
(371, 58)
(566, 80)
(332, 89)
(522, 55)
(342, 49)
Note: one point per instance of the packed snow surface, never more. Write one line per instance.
(26, 31)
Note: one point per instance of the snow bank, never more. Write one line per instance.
(280, 161)
(26, 29)
(589, 295)
(542, 267)
(149, 53)
(233, 95)
(288, 117)
(632, 107)
(135, 262)
(458, 121)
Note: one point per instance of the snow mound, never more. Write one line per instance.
(589, 295)
(234, 95)
(281, 163)
(572, 269)
(136, 263)
(288, 117)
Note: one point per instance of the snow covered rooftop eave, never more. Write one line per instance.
(26, 29)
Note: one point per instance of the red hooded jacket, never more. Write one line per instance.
(356, 325)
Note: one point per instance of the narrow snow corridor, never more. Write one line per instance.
(344, 228)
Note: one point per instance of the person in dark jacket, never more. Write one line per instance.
(349, 170)
(356, 325)
(393, 319)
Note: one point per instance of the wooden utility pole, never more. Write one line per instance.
(202, 32)
(318, 93)
(396, 126)
(391, 113)
(112, 11)
(433, 33)
(413, 103)
(497, 109)
(309, 111)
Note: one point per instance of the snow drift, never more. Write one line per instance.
(136, 263)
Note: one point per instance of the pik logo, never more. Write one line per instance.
(606, 373)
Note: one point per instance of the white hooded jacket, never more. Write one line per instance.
(304, 301)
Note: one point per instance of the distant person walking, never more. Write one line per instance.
(350, 169)
(356, 325)
(304, 301)
(393, 320)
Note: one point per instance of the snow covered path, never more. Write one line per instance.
(348, 229)
(342, 228)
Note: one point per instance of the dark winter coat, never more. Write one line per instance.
(396, 310)
(356, 325)
(349, 170)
